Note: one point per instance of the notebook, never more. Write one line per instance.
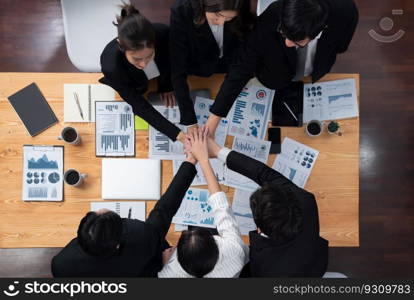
(87, 95)
(33, 109)
(129, 209)
(287, 109)
(130, 178)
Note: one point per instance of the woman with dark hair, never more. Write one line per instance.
(199, 253)
(139, 54)
(204, 38)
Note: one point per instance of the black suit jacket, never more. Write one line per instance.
(131, 83)
(304, 256)
(140, 253)
(194, 51)
(266, 56)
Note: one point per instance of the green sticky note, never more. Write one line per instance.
(140, 124)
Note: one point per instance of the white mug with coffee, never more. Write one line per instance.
(314, 128)
(73, 177)
(70, 136)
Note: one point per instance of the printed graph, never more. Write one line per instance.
(115, 142)
(42, 163)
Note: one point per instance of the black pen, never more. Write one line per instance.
(129, 213)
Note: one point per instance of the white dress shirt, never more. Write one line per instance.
(306, 56)
(218, 33)
(233, 253)
(151, 70)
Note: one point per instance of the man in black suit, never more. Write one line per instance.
(286, 242)
(108, 246)
(292, 39)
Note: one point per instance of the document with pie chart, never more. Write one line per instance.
(42, 173)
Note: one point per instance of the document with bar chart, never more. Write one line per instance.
(195, 210)
(249, 115)
(253, 148)
(42, 173)
(161, 147)
(115, 133)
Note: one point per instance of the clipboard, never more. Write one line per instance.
(42, 174)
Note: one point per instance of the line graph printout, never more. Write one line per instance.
(295, 161)
(195, 210)
(115, 134)
(253, 148)
(330, 100)
(42, 173)
(242, 211)
(249, 114)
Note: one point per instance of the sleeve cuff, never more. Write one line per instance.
(218, 200)
(223, 153)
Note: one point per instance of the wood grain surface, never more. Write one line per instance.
(334, 180)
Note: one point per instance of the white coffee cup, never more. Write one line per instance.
(73, 177)
(314, 128)
(70, 135)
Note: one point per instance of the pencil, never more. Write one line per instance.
(78, 104)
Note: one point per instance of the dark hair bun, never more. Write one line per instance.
(126, 11)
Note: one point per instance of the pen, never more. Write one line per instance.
(291, 112)
(78, 104)
(129, 213)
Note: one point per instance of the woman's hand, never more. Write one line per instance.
(187, 150)
(168, 98)
(198, 141)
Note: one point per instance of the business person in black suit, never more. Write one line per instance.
(204, 38)
(286, 242)
(108, 246)
(138, 54)
(292, 39)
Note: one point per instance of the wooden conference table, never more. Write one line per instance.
(334, 179)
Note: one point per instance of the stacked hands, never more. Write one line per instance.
(199, 146)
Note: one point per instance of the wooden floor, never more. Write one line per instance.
(31, 40)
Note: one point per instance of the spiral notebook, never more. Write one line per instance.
(79, 100)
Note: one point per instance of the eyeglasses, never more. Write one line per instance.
(285, 37)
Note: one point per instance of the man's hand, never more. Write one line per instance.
(187, 150)
(191, 129)
(168, 99)
(212, 123)
(182, 137)
(166, 254)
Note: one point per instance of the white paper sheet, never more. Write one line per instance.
(123, 209)
(172, 114)
(330, 100)
(42, 173)
(254, 148)
(115, 129)
(242, 211)
(161, 147)
(295, 161)
(88, 94)
(195, 210)
(199, 179)
(249, 115)
(202, 110)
